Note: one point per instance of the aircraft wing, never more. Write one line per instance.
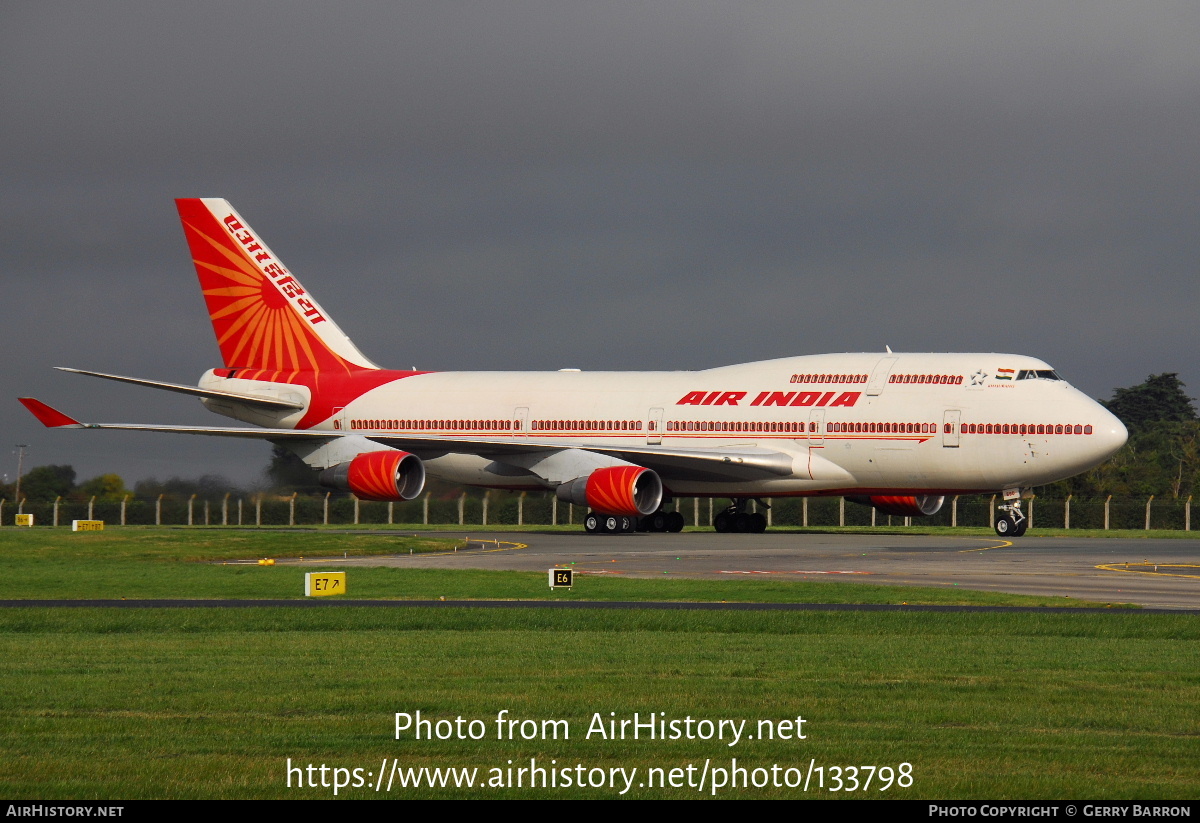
(731, 463)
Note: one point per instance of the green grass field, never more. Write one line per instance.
(183, 703)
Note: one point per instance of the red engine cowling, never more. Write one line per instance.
(623, 490)
(383, 475)
(921, 505)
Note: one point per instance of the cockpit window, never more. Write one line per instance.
(1038, 374)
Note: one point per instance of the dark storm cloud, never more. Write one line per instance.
(616, 185)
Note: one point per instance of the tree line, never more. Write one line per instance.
(46, 483)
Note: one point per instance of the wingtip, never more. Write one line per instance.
(48, 416)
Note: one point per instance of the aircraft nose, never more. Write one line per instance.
(1110, 433)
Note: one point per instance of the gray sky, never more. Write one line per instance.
(529, 185)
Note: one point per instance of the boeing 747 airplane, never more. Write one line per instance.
(892, 430)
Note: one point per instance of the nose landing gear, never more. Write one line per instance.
(1011, 521)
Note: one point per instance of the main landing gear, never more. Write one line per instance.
(1011, 521)
(607, 523)
(739, 520)
(660, 521)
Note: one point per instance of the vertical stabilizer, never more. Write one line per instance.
(262, 316)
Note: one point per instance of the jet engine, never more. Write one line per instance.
(921, 505)
(622, 490)
(381, 475)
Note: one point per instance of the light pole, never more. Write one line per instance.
(21, 447)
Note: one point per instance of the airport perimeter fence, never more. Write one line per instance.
(515, 509)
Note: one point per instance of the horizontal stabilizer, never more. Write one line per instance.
(54, 419)
(248, 399)
(48, 416)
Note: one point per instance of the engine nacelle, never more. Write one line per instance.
(623, 490)
(382, 475)
(920, 505)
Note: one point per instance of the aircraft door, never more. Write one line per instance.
(951, 426)
(654, 423)
(520, 421)
(816, 428)
(879, 375)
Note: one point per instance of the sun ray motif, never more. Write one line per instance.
(260, 315)
(289, 340)
(308, 360)
(251, 316)
(263, 341)
(277, 328)
(233, 291)
(283, 359)
(237, 275)
(252, 338)
(268, 355)
(235, 307)
(234, 256)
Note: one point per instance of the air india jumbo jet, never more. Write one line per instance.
(895, 431)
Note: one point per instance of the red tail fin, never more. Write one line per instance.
(262, 316)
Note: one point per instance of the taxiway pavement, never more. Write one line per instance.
(1152, 573)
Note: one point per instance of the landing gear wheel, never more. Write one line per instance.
(675, 522)
(626, 524)
(738, 519)
(656, 522)
(1011, 521)
(605, 523)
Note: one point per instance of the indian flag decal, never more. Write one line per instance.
(1004, 374)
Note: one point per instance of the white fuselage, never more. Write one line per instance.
(850, 423)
